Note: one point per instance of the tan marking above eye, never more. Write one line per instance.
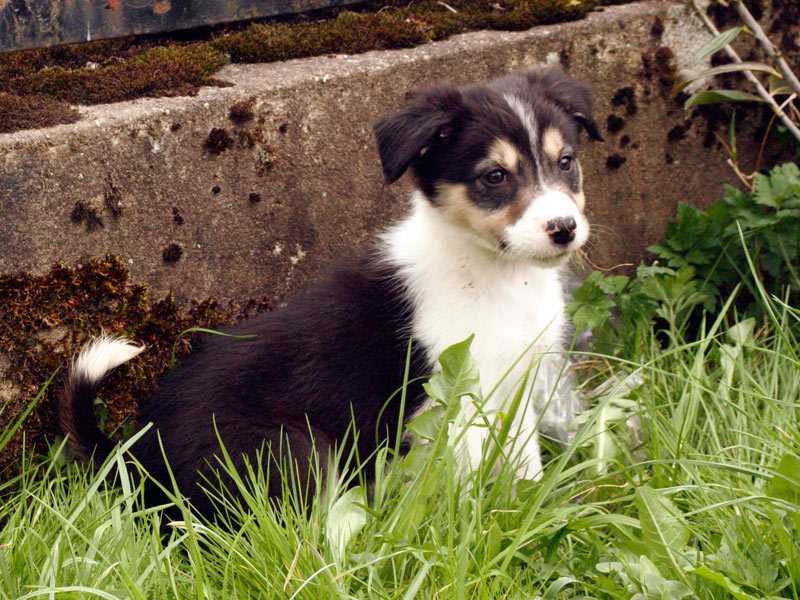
(503, 153)
(552, 143)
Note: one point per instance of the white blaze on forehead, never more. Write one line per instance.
(525, 114)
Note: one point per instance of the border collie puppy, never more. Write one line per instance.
(497, 207)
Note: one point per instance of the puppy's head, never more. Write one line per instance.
(499, 160)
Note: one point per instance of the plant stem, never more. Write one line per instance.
(790, 125)
(772, 51)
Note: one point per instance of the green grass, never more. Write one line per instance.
(703, 503)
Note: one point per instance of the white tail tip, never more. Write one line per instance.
(103, 354)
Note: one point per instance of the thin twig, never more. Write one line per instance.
(765, 95)
(772, 51)
(597, 267)
(769, 128)
(742, 177)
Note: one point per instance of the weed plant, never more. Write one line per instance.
(705, 261)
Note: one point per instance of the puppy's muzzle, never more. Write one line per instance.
(561, 230)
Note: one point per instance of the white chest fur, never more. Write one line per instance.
(459, 288)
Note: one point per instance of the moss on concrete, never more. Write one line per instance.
(29, 112)
(39, 84)
(162, 71)
(45, 319)
(394, 25)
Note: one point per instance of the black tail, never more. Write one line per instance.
(76, 402)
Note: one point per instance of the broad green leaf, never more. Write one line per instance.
(611, 411)
(663, 527)
(589, 306)
(613, 284)
(687, 76)
(428, 424)
(696, 256)
(609, 567)
(459, 375)
(590, 315)
(779, 87)
(785, 484)
(494, 536)
(728, 356)
(722, 581)
(655, 585)
(718, 43)
(415, 461)
(742, 332)
(785, 539)
(784, 183)
(346, 518)
(762, 191)
(720, 97)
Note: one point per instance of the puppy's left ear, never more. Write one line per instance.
(571, 95)
(405, 135)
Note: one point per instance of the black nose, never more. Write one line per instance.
(562, 230)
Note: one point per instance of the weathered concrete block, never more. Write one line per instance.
(202, 203)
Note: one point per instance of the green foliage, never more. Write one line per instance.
(707, 509)
(699, 497)
(704, 261)
(769, 221)
(161, 71)
(382, 25)
(656, 292)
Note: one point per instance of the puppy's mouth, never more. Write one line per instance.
(554, 259)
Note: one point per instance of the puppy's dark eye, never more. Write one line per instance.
(495, 177)
(565, 162)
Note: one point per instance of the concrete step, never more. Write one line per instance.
(200, 204)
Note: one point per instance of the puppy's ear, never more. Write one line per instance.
(571, 95)
(404, 136)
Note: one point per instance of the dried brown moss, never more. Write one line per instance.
(218, 140)
(242, 111)
(45, 319)
(26, 112)
(660, 67)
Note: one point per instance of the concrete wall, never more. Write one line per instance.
(300, 184)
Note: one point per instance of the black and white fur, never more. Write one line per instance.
(497, 208)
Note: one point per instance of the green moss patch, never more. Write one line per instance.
(393, 25)
(27, 112)
(163, 71)
(45, 319)
(40, 83)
